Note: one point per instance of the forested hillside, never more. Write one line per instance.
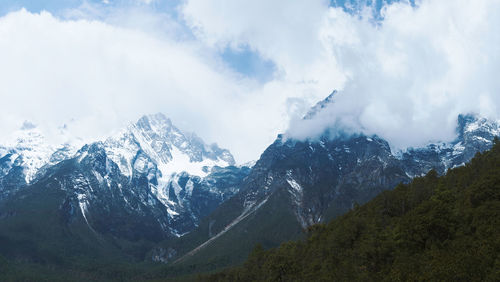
(433, 229)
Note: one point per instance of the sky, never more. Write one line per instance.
(240, 72)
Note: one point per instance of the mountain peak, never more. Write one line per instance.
(155, 119)
(27, 125)
(320, 105)
(473, 122)
(155, 122)
(170, 164)
(172, 150)
(29, 150)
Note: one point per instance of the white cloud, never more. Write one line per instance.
(405, 79)
(286, 32)
(97, 77)
(101, 74)
(410, 76)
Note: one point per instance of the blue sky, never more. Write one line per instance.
(243, 59)
(353, 6)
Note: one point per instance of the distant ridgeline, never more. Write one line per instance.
(433, 229)
(153, 201)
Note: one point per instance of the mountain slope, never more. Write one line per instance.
(156, 161)
(315, 181)
(435, 228)
(43, 235)
(108, 203)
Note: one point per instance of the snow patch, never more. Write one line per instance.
(472, 126)
(122, 151)
(458, 148)
(82, 156)
(98, 176)
(189, 187)
(482, 139)
(296, 186)
(181, 162)
(83, 203)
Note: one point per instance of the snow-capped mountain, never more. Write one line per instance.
(296, 184)
(172, 150)
(27, 153)
(173, 159)
(163, 179)
(474, 134)
(153, 181)
(320, 105)
(157, 162)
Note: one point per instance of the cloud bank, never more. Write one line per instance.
(405, 74)
(409, 77)
(96, 76)
(405, 78)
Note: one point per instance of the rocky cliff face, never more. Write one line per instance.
(326, 177)
(313, 181)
